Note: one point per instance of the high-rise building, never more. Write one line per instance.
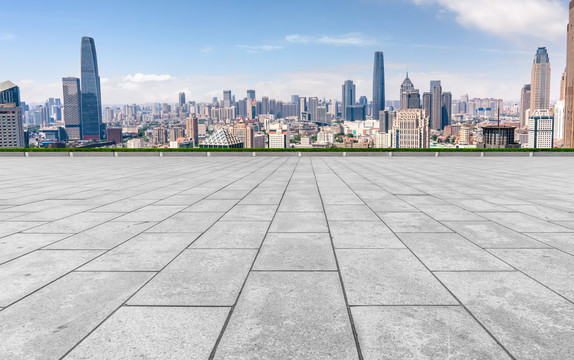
(91, 92)
(540, 85)
(524, 104)
(559, 114)
(427, 103)
(313, 105)
(251, 95)
(114, 134)
(378, 85)
(279, 136)
(295, 99)
(446, 109)
(11, 122)
(406, 87)
(569, 97)
(436, 106)
(73, 107)
(159, 136)
(245, 133)
(349, 93)
(227, 98)
(181, 99)
(410, 129)
(541, 130)
(192, 129)
(302, 108)
(265, 108)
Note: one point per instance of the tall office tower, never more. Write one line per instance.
(446, 109)
(410, 129)
(427, 103)
(159, 136)
(181, 99)
(540, 85)
(91, 92)
(524, 104)
(11, 123)
(378, 85)
(313, 105)
(406, 87)
(295, 99)
(244, 132)
(349, 92)
(541, 130)
(192, 129)
(302, 108)
(563, 86)
(363, 101)
(279, 136)
(251, 95)
(227, 98)
(436, 106)
(559, 120)
(73, 107)
(569, 97)
(265, 109)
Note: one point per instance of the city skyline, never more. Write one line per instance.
(137, 68)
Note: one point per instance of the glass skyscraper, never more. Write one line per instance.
(378, 85)
(91, 93)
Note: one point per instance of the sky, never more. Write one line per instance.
(149, 51)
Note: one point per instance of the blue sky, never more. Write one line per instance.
(150, 51)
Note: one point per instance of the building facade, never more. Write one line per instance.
(525, 96)
(540, 84)
(91, 92)
(279, 137)
(349, 96)
(72, 107)
(11, 121)
(378, 85)
(541, 130)
(410, 130)
(569, 96)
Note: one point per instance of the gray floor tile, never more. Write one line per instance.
(74, 224)
(492, 235)
(415, 332)
(296, 252)
(562, 241)
(524, 223)
(251, 213)
(412, 222)
(151, 213)
(451, 252)
(145, 252)
(19, 244)
(105, 236)
(363, 234)
(448, 212)
(350, 212)
(529, 320)
(187, 223)
(282, 316)
(389, 277)
(233, 234)
(50, 322)
(28, 273)
(199, 277)
(13, 227)
(154, 333)
(551, 267)
(302, 222)
(212, 206)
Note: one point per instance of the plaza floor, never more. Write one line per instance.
(286, 258)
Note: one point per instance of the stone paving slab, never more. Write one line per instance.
(289, 257)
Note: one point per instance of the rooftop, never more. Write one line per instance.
(286, 258)
(7, 85)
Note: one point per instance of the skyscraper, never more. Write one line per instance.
(313, 105)
(540, 85)
(227, 98)
(91, 93)
(436, 106)
(181, 99)
(349, 92)
(378, 86)
(427, 103)
(569, 98)
(446, 109)
(73, 107)
(11, 124)
(524, 104)
(406, 88)
(251, 94)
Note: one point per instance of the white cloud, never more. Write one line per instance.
(138, 78)
(206, 50)
(260, 48)
(352, 39)
(7, 37)
(542, 19)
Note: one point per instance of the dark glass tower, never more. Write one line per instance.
(91, 94)
(378, 85)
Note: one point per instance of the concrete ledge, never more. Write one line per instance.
(549, 154)
(186, 154)
(12, 154)
(231, 153)
(462, 153)
(416, 154)
(278, 154)
(49, 154)
(91, 154)
(377, 153)
(507, 154)
(138, 154)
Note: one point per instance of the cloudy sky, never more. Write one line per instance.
(149, 51)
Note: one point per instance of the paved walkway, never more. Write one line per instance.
(286, 258)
